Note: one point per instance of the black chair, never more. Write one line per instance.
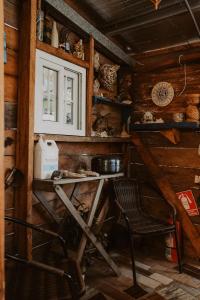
(139, 222)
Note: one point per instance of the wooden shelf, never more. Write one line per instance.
(164, 126)
(82, 139)
(103, 100)
(62, 54)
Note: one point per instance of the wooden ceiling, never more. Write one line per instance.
(138, 27)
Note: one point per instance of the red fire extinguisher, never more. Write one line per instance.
(170, 241)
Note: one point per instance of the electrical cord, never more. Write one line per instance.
(185, 75)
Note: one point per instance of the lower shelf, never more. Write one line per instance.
(164, 126)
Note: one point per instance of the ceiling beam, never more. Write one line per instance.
(142, 12)
(193, 17)
(151, 18)
(78, 21)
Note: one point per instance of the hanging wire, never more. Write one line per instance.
(185, 75)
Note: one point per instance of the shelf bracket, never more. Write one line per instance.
(173, 135)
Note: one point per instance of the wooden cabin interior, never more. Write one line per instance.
(99, 149)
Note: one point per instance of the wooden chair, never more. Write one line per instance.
(137, 220)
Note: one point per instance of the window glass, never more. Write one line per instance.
(69, 100)
(50, 92)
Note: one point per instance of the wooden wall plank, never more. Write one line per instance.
(12, 38)
(11, 67)
(2, 196)
(10, 142)
(10, 88)
(10, 117)
(25, 137)
(11, 12)
(90, 76)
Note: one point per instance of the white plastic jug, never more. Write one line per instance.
(45, 158)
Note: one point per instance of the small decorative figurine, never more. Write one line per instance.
(192, 113)
(125, 88)
(54, 36)
(148, 117)
(96, 86)
(192, 110)
(156, 3)
(178, 117)
(48, 24)
(63, 39)
(108, 75)
(79, 50)
(160, 120)
(96, 62)
(124, 133)
(40, 24)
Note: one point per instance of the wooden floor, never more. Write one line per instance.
(159, 278)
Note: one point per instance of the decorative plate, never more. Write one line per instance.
(162, 93)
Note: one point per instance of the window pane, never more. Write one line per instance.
(50, 92)
(69, 89)
(69, 99)
(69, 113)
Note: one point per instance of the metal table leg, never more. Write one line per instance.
(63, 197)
(90, 220)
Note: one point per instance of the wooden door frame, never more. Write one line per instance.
(2, 235)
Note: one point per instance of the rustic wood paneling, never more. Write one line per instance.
(10, 118)
(11, 16)
(181, 162)
(10, 88)
(12, 38)
(2, 196)
(10, 142)
(11, 67)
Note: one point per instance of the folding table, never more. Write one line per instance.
(40, 186)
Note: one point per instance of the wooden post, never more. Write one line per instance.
(90, 76)
(2, 279)
(25, 136)
(168, 193)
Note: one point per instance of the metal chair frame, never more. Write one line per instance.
(121, 203)
(66, 275)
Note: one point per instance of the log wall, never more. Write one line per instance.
(11, 27)
(179, 162)
(70, 153)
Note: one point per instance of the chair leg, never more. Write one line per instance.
(132, 257)
(178, 250)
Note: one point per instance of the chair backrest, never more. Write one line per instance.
(128, 196)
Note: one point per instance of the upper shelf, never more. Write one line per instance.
(103, 100)
(62, 54)
(63, 10)
(82, 139)
(164, 126)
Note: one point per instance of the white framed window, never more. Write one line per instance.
(60, 96)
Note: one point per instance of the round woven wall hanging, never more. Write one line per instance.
(162, 93)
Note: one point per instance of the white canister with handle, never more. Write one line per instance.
(45, 158)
